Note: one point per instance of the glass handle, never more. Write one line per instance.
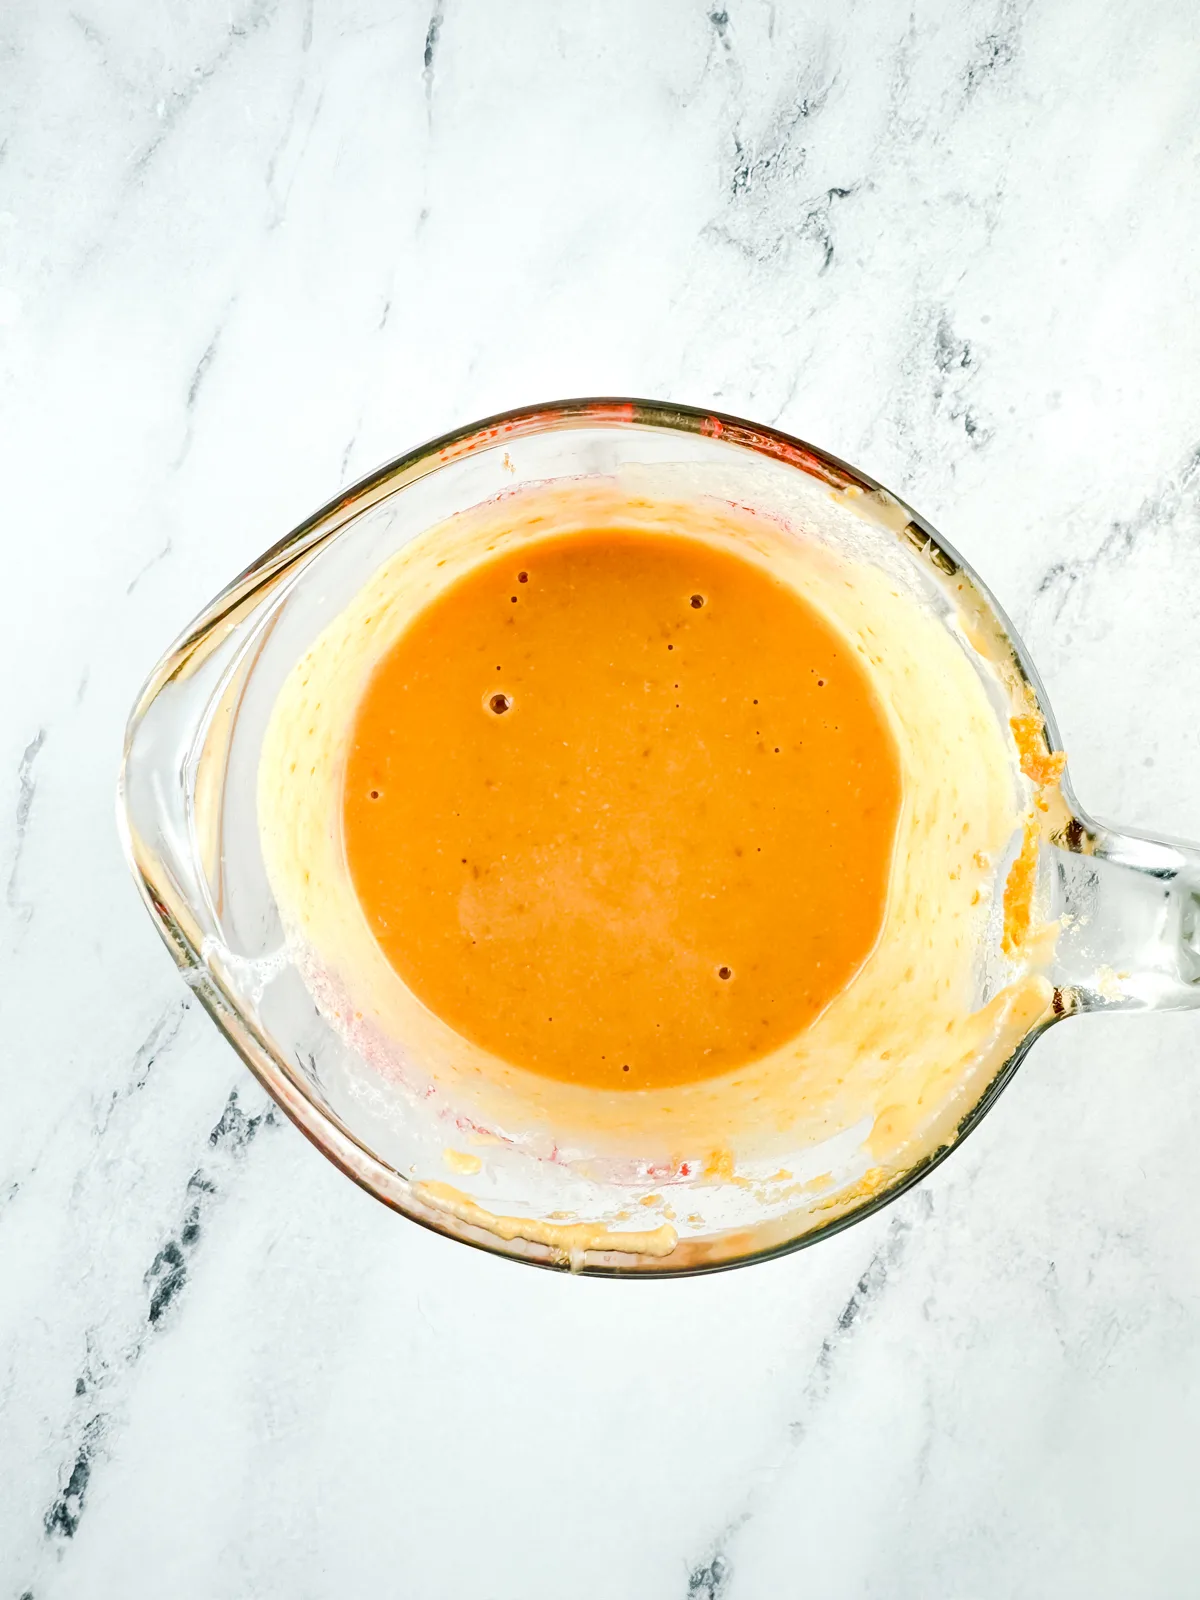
(1128, 908)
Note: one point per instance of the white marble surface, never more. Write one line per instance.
(247, 251)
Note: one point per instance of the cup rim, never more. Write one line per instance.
(325, 1129)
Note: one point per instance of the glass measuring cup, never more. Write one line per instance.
(1121, 912)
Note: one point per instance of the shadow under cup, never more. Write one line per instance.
(1118, 914)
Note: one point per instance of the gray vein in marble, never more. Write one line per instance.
(774, 159)
(940, 371)
(710, 1581)
(810, 221)
(763, 219)
(280, 208)
(432, 34)
(102, 1384)
(281, 145)
(952, 356)
(204, 363)
(26, 790)
(62, 1519)
(867, 1292)
(710, 1577)
(344, 468)
(194, 389)
(1063, 580)
(177, 102)
(901, 79)
(88, 29)
(147, 566)
(721, 48)
(997, 50)
(158, 1040)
